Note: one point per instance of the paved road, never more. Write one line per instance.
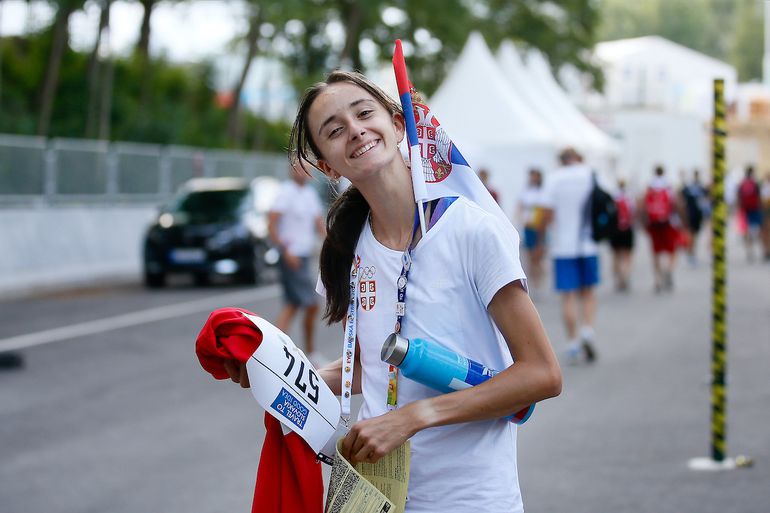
(124, 420)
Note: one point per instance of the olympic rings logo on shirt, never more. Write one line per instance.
(367, 273)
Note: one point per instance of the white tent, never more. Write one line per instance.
(593, 141)
(493, 128)
(653, 72)
(658, 102)
(526, 87)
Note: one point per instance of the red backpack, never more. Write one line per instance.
(625, 217)
(748, 195)
(657, 203)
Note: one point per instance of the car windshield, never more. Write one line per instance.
(210, 206)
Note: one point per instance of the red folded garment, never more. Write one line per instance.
(289, 477)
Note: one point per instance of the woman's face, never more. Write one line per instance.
(354, 133)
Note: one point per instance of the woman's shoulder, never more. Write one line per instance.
(466, 219)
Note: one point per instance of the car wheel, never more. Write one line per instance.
(154, 280)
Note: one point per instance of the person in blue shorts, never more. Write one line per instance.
(529, 215)
(574, 253)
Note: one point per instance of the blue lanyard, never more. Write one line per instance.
(437, 209)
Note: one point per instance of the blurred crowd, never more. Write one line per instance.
(671, 216)
(553, 215)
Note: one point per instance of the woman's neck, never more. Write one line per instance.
(391, 201)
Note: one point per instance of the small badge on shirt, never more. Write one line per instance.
(367, 288)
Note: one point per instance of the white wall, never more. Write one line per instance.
(50, 247)
(678, 142)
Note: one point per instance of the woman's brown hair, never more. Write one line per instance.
(349, 211)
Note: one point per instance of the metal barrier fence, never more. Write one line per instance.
(39, 170)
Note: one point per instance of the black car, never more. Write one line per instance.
(212, 226)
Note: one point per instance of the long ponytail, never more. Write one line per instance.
(344, 222)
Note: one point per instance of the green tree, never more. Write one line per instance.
(59, 44)
(142, 49)
(434, 32)
(99, 82)
(729, 30)
(264, 17)
(620, 19)
(747, 49)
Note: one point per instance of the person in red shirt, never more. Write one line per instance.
(658, 205)
(484, 177)
(622, 241)
(750, 203)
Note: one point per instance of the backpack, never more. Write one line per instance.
(748, 196)
(657, 204)
(602, 213)
(625, 216)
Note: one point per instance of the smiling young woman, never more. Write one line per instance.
(466, 288)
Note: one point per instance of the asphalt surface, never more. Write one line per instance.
(125, 420)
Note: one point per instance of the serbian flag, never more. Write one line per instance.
(438, 168)
(289, 478)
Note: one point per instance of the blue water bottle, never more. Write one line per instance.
(433, 365)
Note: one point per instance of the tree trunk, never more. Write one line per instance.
(51, 79)
(234, 117)
(94, 65)
(1, 58)
(143, 46)
(105, 100)
(350, 57)
(143, 51)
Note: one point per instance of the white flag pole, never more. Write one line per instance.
(418, 184)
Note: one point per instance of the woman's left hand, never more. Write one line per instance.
(371, 439)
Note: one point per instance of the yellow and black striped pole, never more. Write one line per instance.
(719, 280)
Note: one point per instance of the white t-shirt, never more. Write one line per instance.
(299, 207)
(531, 198)
(565, 193)
(456, 270)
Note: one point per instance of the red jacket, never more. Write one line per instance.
(289, 477)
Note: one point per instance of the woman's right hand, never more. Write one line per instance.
(237, 372)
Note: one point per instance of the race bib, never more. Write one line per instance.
(285, 384)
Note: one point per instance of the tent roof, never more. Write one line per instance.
(475, 104)
(591, 137)
(653, 71)
(526, 87)
(661, 49)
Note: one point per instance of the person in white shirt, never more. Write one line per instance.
(529, 215)
(573, 251)
(294, 223)
(466, 290)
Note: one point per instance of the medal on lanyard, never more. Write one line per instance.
(403, 279)
(349, 347)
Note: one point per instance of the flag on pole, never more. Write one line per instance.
(438, 168)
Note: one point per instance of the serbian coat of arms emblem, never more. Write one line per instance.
(435, 145)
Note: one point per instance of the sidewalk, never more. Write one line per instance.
(619, 437)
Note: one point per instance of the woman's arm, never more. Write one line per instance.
(332, 374)
(535, 376)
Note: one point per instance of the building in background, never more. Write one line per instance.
(658, 103)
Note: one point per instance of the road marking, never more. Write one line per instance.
(159, 313)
